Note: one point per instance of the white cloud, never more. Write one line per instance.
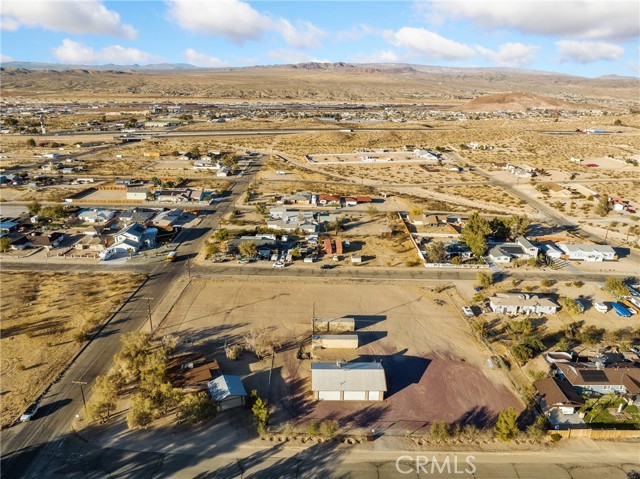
(431, 45)
(239, 22)
(588, 52)
(382, 56)
(75, 52)
(510, 54)
(5, 58)
(70, 16)
(592, 19)
(202, 60)
(306, 35)
(292, 56)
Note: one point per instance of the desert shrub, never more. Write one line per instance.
(506, 427)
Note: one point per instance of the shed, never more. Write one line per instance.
(335, 341)
(334, 325)
(356, 259)
(338, 381)
(227, 391)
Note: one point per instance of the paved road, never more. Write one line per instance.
(24, 446)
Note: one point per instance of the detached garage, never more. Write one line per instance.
(227, 391)
(348, 381)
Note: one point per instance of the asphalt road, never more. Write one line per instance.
(25, 447)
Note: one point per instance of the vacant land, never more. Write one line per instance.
(42, 316)
(423, 344)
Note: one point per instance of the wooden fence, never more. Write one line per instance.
(597, 433)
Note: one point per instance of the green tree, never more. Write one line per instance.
(603, 206)
(141, 411)
(103, 399)
(616, 287)
(436, 252)
(260, 412)
(221, 234)
(31, 143)
(538, 430)
(212, 249)
(518, 225)
(329, 428)
(248, 248)
(34, 207)
(440, 431)
(475, 233)
(5, 243)
(570, 305)
(499, 228)
(506, 426)
(261, 209)
(618, 122)
(196, 408)
(484, 279)
(195, 151)
(54, 212)
(313, 429)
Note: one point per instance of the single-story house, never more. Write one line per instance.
(621, 378)
(499, 255)
(138, 215)
(588, 252)
(522, 303)
(224, 171)
(362, 381)
(91, 243)
(325, 200)
(96, 215)
(557, 393)
(167, 219)
(300, 198)
(49, 241)
(137, 194)
(227, 391)
(8, 227)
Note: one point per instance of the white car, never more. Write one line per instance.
(279, 264)
(468, 311)
(29, 413)
(601, 307)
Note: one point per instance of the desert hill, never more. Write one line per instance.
(519, 101)
(309, 82)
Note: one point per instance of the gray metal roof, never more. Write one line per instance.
(226, 386)
(348, 377)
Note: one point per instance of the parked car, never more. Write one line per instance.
(279, 264)
(29, 413)
(468, 311)
(327, 266)
(243, 261)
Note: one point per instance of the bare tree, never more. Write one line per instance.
(261, 342)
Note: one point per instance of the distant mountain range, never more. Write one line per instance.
(336, 66)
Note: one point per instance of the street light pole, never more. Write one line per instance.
(81, 383)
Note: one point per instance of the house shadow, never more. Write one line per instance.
(401, 370)
(369, 337)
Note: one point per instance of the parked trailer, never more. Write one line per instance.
(621, 310)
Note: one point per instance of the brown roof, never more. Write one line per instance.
(557, 392)
(625, 374)
(202, 372)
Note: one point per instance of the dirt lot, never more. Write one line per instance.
(435, 369)
(41, 315)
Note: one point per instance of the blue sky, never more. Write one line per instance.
(581, 37)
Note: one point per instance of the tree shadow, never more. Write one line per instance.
(479, 416)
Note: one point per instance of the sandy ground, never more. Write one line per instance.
(425, 348)
(41, 313)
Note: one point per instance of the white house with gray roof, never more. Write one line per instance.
(522, 303)
(588, 252)
(364, 381)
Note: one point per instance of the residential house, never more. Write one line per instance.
(587, 252)
(93, 230)
(361, 381)
(48, 241)
(96, 215)
(227, 392)
(300, 198)
(174, 195)
(167, 219)
(224, 171)
(92, 243)
(8, 227)
(328, 200)
(522, 303)
(287, 220)
(521, 248)
(138, 215)
(498, 255)
(559, 394)
(137, 194)
(131, 239)
(620, 378)
(424, 155)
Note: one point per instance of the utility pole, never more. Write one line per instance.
(81, 383)
(149, 312)
(189, 268)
